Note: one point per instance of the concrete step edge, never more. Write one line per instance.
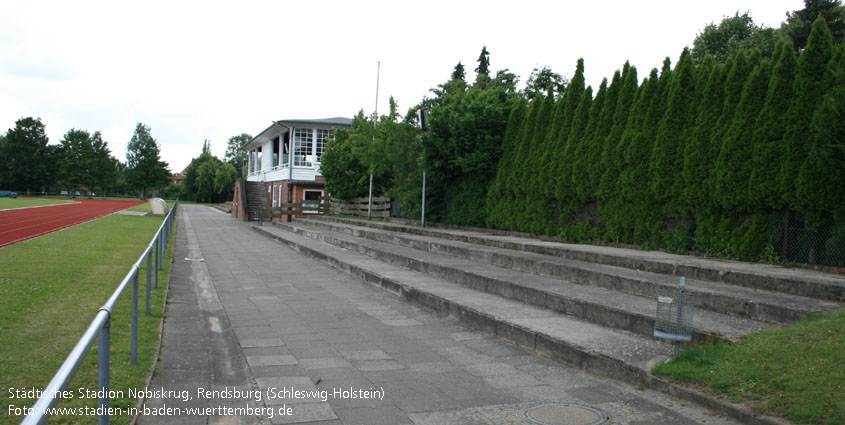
(820, 288)
(630, 317)
(754, 304)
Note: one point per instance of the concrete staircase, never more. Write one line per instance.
(256, 196)
(587, 306)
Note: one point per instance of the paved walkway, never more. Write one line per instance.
(254, 317)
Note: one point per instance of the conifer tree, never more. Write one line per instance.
(458, 73)
(483, 69)
(733, 169)
(696, 164)
(808, 90)
(644, 215)
(605, 124)
(561, 167)
(500, 194)
(530, 218)
(698, 161)
(565, 188)
(573, 96)
(612, 151)
(619, 203)
(550, 152)
(516, 179)
(582, 165)
(771, 126)
(820, 191)
(736, 73)
(667, 156)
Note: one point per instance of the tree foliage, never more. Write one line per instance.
(234, 154)
(732, 34)
(768, 135)
(26, 156)
(393, 156)
(799, 23)
(667, 157)
(809, 88)
(695, 157)
(733, 169)
(544, 81)
(145, 170)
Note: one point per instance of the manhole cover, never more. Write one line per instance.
(565, 414)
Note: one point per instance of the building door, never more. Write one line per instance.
(311, 201)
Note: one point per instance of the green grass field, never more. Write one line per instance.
(797, 372)
(50, 289)
(9, 203)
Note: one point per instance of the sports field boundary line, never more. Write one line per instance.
(42, 206)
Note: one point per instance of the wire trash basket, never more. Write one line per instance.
(674, 314)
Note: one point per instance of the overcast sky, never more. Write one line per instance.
(210, 70)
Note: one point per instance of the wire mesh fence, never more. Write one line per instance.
(794, 240)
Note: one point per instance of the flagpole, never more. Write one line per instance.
(375, 120)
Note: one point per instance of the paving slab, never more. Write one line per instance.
(437, 371)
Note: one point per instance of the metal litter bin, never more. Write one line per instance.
(674, 315)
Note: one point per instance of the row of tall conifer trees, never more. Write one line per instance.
(693, 157)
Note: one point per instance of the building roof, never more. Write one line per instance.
(336, 121)
(282, 126)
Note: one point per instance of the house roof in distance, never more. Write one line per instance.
(282, 126)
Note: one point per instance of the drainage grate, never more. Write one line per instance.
(565, 414)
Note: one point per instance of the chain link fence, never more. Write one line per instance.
(795, 241)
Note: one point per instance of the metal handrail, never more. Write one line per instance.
(101, 324)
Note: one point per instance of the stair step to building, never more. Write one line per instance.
(718, 297)
(610, 352)
(256, 196)
(598, 305)
(805, 283)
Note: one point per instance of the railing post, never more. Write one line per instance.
(149, 278)
(157, 261)
(133, 343)
(103, 374)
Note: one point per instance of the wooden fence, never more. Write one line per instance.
(358, 206)
(327, 205)
(296, 208)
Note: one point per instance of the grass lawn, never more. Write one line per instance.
(50, 289)
(9, 203)
(797, 372)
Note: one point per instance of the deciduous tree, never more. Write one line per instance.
(26, 155)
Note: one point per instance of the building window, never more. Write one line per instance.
(276, 152)
(303, 139)
(323, 136)
(285, 150)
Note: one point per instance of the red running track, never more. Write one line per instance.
(27, 223)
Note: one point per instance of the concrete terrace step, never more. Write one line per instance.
(609, 352)
(718, 297)
(616, 354)
(598, 305)
(806, 283)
